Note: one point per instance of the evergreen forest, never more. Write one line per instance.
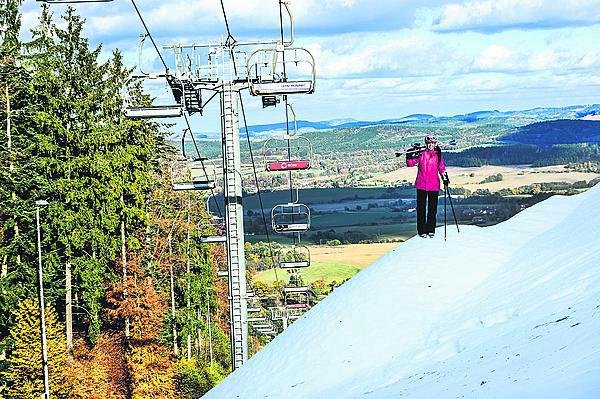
(132, 305)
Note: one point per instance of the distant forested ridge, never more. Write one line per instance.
(540, 144)
(563, 131)
(523, 154)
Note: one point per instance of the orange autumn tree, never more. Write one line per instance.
(149, 363)
(136, 298)
(101, 371)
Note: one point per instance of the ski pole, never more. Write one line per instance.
(453, 214)
(445, 219)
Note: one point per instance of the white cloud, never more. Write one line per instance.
(495, 57)
(498, 14)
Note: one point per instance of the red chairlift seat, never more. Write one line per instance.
(296, 305)
(288, 152)
(277, 166)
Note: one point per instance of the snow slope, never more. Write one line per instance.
(508, 311)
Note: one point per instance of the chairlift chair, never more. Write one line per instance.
(256, 319)
(263, 325)
(288, 152)
(205, 228)
(294, 314)
(132, 111)
(197, 174)
(154, 111)
(266, 77)
(295, 258)
(297, 290)
(278, 313)
(267, 331)
(290, 218)
(296, 297)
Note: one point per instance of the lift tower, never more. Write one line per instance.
(225, 69)
(235, 224)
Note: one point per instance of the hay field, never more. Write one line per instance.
(514, 176)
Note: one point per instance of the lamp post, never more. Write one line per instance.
(41, 294)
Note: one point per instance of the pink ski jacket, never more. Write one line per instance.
(429, 167)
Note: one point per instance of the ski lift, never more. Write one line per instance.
(295, 258)
(254, 306)
(205, 228)
(281, 313)
(290, 218)
(287, 153)
(303, 289)
(256, 319)
(270, 331)
(296, 297)
(195, 174)
(264, 325)
(150, 111)
(268, 70)
(154, 111)
(185, 94)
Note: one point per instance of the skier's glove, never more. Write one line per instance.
(446, 179)
(414, 152)
(410, 154)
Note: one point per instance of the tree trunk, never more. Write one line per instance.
(198, 333)
(189, 286)
(11, 167)
(124, 260)
(68, 308)
(173, 319)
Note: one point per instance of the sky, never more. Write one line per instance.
(506, 311)
(387, 58)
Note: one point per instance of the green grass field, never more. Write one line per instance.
(334, 263)
(328, 271)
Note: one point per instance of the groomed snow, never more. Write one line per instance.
(508, 311)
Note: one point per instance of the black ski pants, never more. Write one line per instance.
(426, 224)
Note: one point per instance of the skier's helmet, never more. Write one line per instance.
(430, 138)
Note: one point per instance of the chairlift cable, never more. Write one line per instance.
(170, 233)
(282, 42)
(250, 150)
(227, 26)
(212, 192)
(150, 36)
(262, 210)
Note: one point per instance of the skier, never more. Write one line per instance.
(430, 163)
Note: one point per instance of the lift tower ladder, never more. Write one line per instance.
(235, 224)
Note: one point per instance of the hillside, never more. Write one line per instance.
(563, 131)
(509, 311)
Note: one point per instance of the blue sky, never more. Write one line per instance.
(385, 59)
